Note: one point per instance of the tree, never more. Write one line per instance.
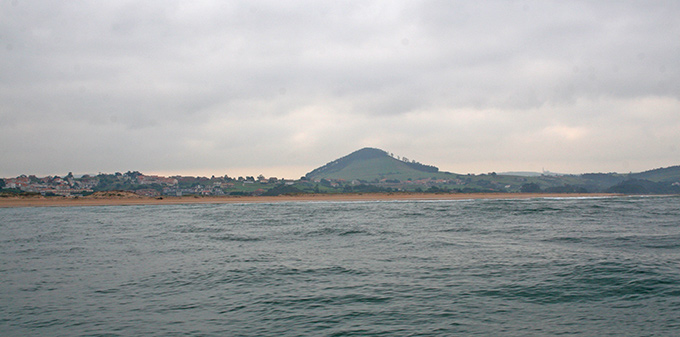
(530, 188)
(282, 189)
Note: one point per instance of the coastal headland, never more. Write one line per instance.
(125, 200)
(368, 171)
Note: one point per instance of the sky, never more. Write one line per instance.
(282, 87)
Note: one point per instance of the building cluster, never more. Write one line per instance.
(72, 186)
(204, 190)
(49, 185)
(144, 185)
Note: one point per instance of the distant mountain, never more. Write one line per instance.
(371, 164)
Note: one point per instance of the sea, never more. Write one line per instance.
(605, 266)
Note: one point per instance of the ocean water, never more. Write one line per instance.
(536, 267)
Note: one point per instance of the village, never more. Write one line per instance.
(157, 186)
(143, 185)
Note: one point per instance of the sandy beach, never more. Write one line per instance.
(39, 201)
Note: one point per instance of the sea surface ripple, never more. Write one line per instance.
(535, 267)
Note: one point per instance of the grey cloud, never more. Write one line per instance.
(267, 72)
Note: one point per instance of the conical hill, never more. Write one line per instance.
(371, 164)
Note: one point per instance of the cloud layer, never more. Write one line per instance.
(208, 87)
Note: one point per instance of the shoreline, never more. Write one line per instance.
(10, 202)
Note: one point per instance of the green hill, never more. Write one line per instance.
(667, 174)
(370, 164)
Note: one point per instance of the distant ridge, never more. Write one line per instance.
(369, 164)
(521, 173)
(659, 175)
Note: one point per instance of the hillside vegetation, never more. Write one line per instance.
(370, 164)
(667, 174)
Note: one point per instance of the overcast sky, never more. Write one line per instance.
(282, 87)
